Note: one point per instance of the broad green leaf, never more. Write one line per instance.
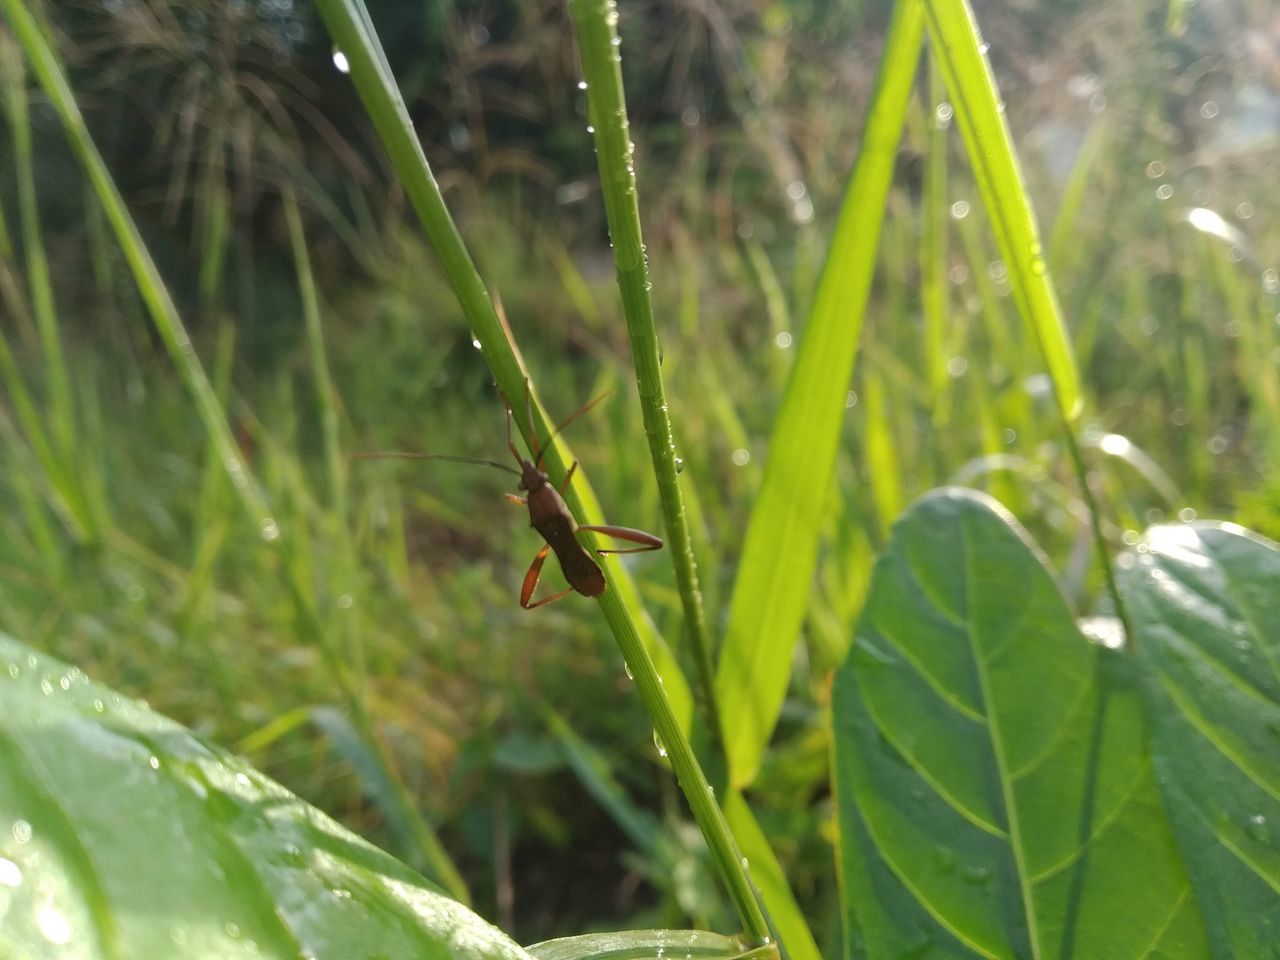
(1204, 605)
(123, 835)
(994, 792)
(779, 553)
(643, 945)
(961, 54)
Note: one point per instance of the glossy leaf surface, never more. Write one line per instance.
(1204, 605)
(123, 835)
(995, 794)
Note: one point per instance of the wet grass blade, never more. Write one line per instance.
(979, 111)
(779, 554)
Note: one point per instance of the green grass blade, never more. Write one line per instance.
(992, 777)
(980, 112)
(1203, 606)
(779, 554)
(58, 383)
(168, 324)
(784, 913)
(348, 24)
(595, 23)
(935, 284)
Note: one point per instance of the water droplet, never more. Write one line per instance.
(340, 61)
(1208, 109)
(1257, 827)
(10, 873)
(53, 925)
(626, 668)
(1164, 191)
(1244, 210)
(956, 367)
(976, 876)
(850, 399)
(15, 671)
(582, 84)
(960, 209)
(233, 929)
(783, 340)
(1186, 514)
(679, 464)
(942, 115)
(268, 530)
(983, 48)
(345, 601)
(1155, 169)
(590, 128)
(944, 859)
(657, 742)
(21, 831)
(741, 457)
(153, 762)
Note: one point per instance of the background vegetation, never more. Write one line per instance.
(1148, 132)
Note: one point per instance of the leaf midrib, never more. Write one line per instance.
(997, 748)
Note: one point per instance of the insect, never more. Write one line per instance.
(549, 514)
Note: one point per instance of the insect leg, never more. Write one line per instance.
(531, 582)
(647, 540)
(568, 476)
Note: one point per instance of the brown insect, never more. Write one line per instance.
(549, 514)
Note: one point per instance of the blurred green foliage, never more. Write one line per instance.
(121, 546)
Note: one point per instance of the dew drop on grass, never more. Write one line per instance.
(679, 464)
(661, 747)
(269, 530)
(10, 873)
(626, 668)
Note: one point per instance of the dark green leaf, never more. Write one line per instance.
(1204, 603)
(994, 791)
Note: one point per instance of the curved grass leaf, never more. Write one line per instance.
(779, 554)
(1203, 603)
(642, 945)
(122, 835)
(994, 791)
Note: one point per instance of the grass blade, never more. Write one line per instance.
(779, 554)
(979, 110)
(595, 22)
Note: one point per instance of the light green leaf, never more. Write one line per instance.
(123, 835)
(1204, 604)
(642, 945)
(995, 795)
(779, 554)
(961, 54)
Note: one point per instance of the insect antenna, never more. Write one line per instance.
(398, 455)
(568, 420)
